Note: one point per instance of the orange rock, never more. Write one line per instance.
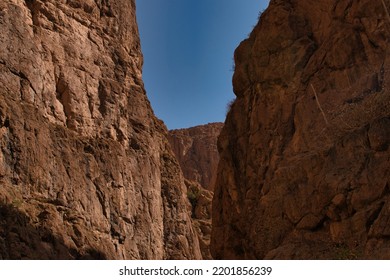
(86, 170)
(196, 150)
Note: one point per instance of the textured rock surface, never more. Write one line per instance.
(201, 200)
(86, 170)
(196, 150)
(305, 159)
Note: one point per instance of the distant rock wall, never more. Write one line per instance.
(86, 170)
(305, 160)
(196, 150)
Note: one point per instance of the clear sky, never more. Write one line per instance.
(188, 48)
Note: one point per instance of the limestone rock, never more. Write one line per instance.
(196, 150)
(304, 153)
(86, 170)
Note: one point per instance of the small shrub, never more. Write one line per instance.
(193, 194)
(229, 105)
(233, 68)
(16, 203)
(260, 13)
(343, 252)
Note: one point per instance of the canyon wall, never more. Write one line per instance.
(86, 171)
(304, 153)
(196, 150)
(201, 204)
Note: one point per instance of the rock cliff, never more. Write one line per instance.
(196, 150)
(197, 153)
(305, 159)
(201, 201)
(86, 170)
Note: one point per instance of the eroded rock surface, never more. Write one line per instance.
(196, 150)
(86, 170)
(305, 159)
(197, 153)
(201, 201)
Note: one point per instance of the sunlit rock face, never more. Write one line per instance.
(304, 153)
(197, 153)
(86, 170)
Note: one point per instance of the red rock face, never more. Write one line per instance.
(196, 150)
(86, 170)
(197, 153)
(304, 168)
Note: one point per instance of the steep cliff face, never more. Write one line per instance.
(196, 150)
(86, 170)
(305, 160)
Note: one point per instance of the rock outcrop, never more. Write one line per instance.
(197, 153)
(305, 159)
(201, 201)
(86, 170)
(196, 150)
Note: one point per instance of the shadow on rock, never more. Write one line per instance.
(21, 239)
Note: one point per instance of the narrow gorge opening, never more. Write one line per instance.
(188, 51)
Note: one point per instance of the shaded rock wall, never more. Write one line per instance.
(196, 150)
(86, 170)
(305, 159)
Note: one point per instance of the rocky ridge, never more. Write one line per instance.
(304, 168)
(86, 170)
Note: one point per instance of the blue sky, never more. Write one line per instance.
(188, 48)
